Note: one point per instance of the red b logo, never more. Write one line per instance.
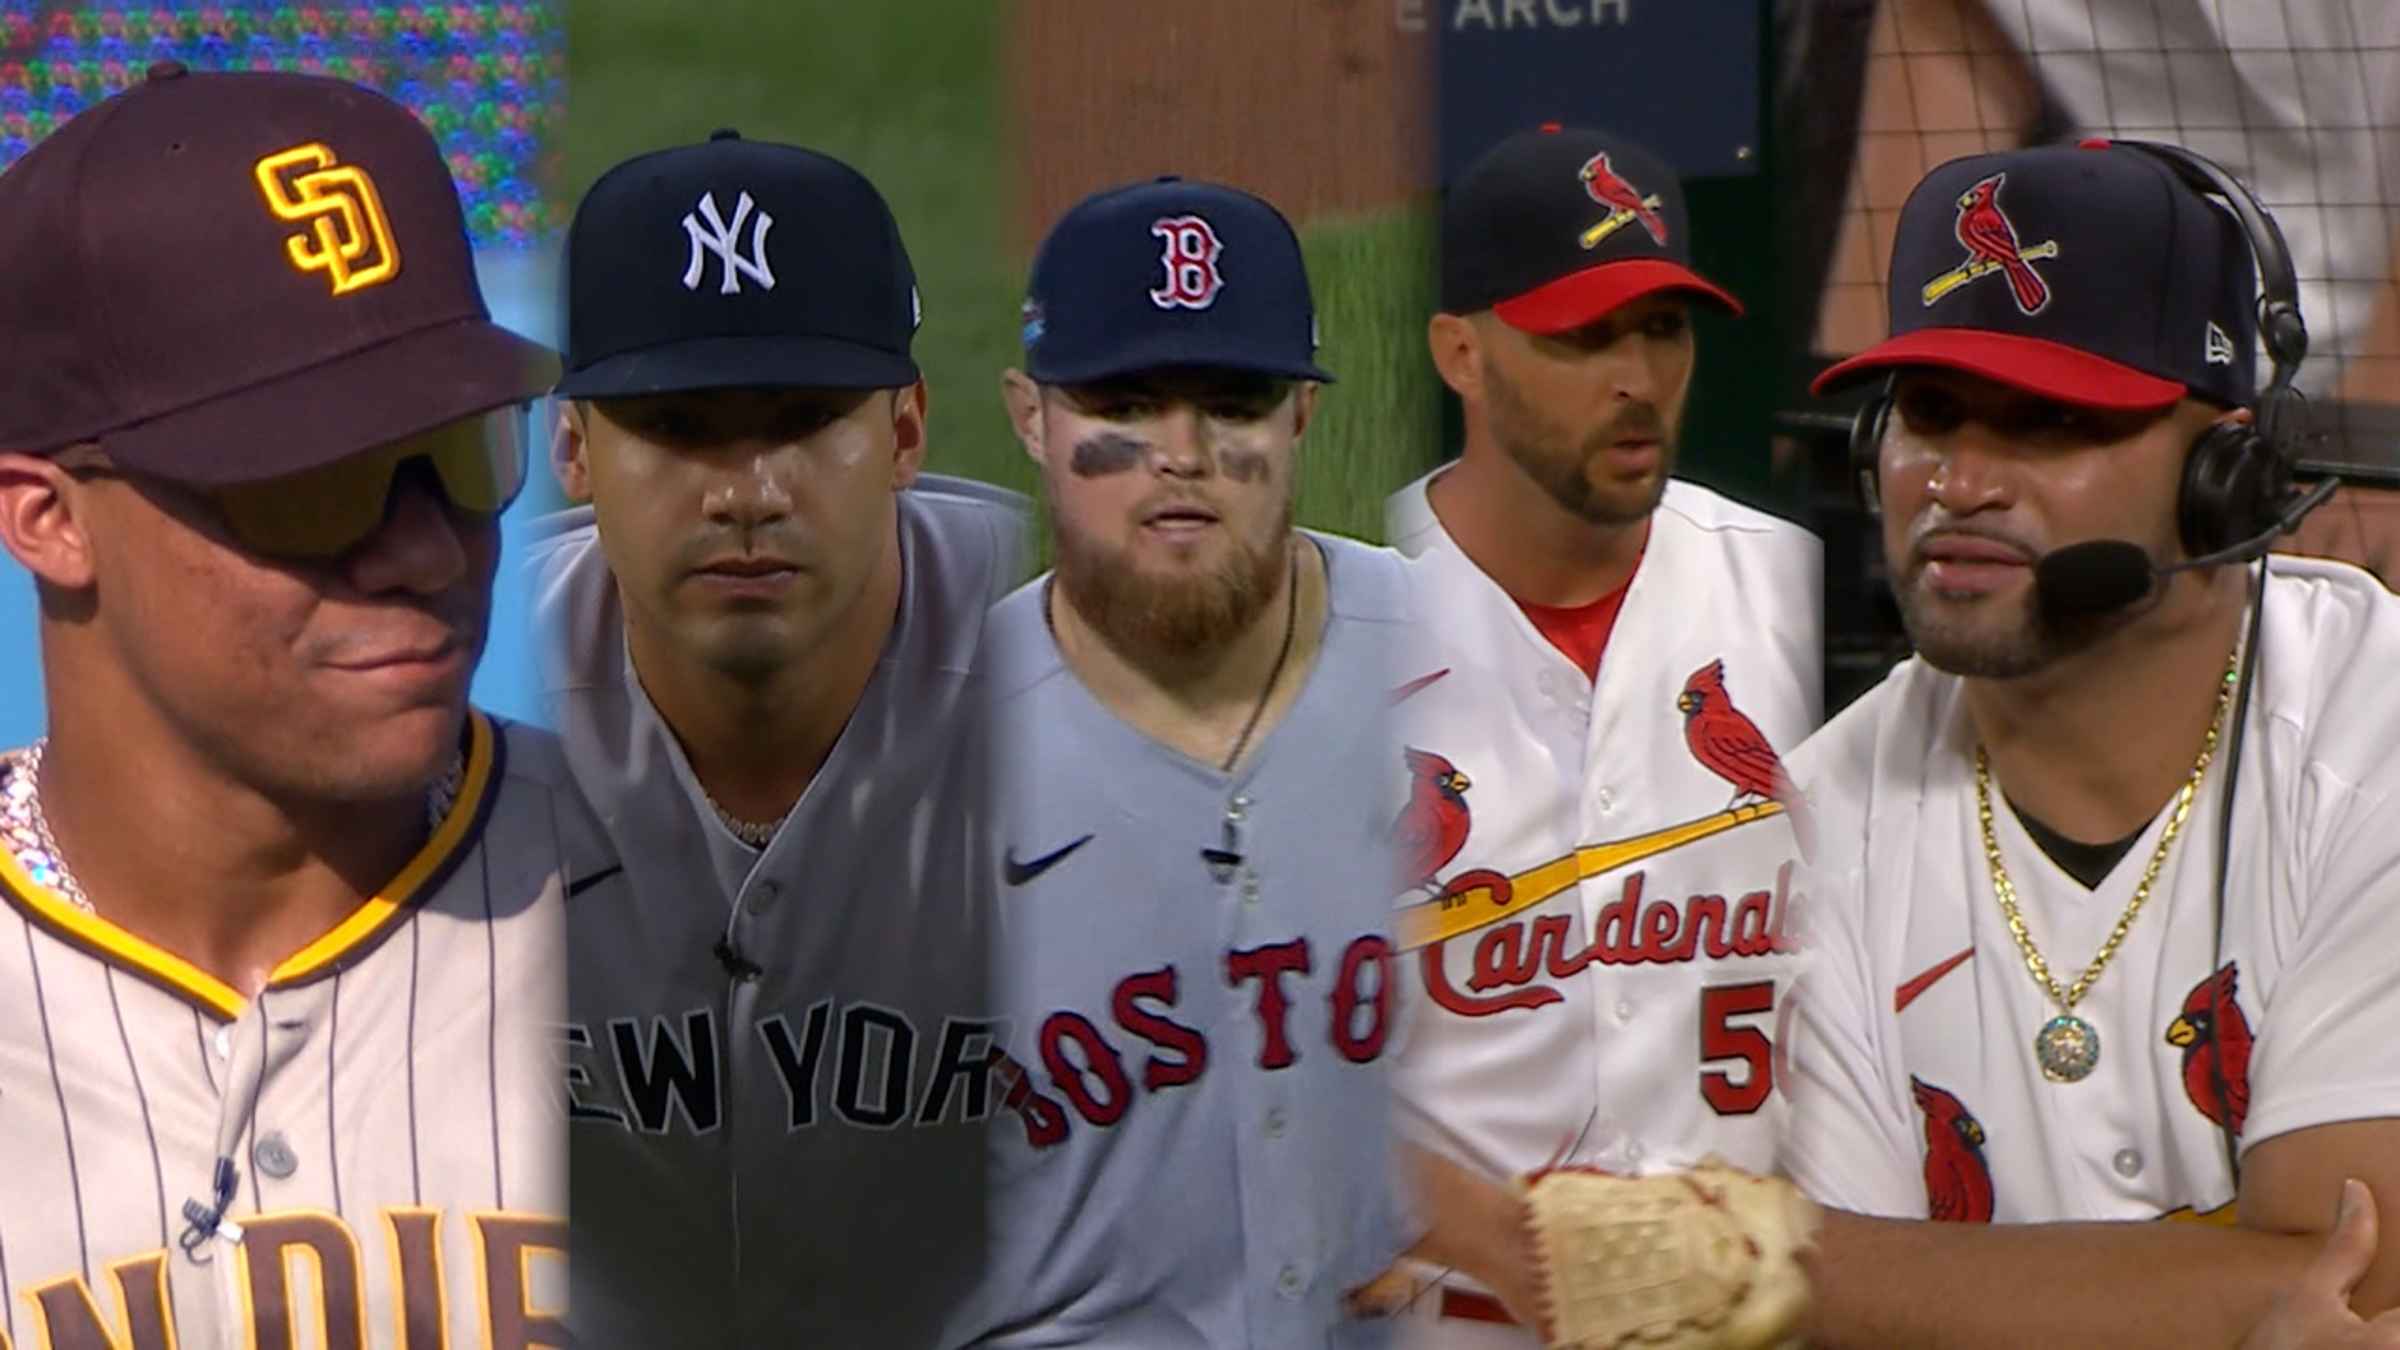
(1191, 262)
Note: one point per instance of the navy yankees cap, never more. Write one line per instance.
(1169, 273)
(2089, 274)
(1555, 227)
(736, 264)
(228, 277)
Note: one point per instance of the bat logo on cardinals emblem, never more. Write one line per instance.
(1432, 828)
(2214, 1036)
(1624, 201)
(1990, 239)
(1958, 1182)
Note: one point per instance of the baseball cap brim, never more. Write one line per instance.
(748, 362)
(2050, 369)
(1171, 350)
(1579, 298)
(330, 411)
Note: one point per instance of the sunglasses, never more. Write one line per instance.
(325, 512)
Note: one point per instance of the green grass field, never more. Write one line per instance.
(913, 96)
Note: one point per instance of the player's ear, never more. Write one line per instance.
(1024, 400)
(2231, 417)
(1304, 407)
(44, 519)
(570, 451)
(908, 432)
(1457, 353)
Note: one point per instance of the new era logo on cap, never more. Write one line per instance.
(1169, 273)
(2087, 274)
(2219, 345)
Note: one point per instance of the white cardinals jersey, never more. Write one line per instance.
(1915, 1088)
(1593, 947)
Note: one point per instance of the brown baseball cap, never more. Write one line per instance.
(227, 277)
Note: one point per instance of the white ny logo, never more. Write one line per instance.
(721, 239)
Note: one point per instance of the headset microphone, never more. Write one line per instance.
(2100, 575)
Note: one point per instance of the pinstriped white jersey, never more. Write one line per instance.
(388, 1102)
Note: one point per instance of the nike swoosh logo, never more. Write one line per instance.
(575, 888)
(1909, 991)
(1410, 690)
(1018, 873)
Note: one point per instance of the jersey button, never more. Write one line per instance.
(1236, 809)
(2128, 1163)
(274, 1156)
(1607, 800)
(1289, 1283)
(763, 897)
(1624, 1011)
(1249, 887)
(1275, 1122)
(222, 1042)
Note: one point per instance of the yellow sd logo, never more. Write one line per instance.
(348, 237)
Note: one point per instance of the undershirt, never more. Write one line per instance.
(1581, 631)
(2087, 863)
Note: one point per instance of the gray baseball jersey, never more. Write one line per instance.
(778, 1058)
(387, 1109)
(1196, 975)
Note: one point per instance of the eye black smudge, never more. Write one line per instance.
(1243, 466)
(1106, 453)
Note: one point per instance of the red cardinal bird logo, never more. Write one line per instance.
(2214, 1036)
(1984, 230)
(1727, 743)
(1958, 1183)
(1432, 828)
(1623, 200)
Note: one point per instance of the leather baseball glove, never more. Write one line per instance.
(1696, 1260)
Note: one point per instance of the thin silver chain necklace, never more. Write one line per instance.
(754, 833)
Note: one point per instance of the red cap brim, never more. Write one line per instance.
(2049, 369)
(1580, 297)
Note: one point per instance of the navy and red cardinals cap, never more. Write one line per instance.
(1169, 273)
(221, 278)
(1555, 227)
(2089, 274)
(736, 264)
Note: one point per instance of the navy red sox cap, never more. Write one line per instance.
(736, 264)
(2088, 274)
(221, 278)
(1555, 227)
(1169, 273)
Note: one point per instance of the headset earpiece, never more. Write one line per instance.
(2235, 483)
(1867, 426)
(2237, 480)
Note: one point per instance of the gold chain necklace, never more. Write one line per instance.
(2067, 1046)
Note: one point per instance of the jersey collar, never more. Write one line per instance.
(341, 947)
